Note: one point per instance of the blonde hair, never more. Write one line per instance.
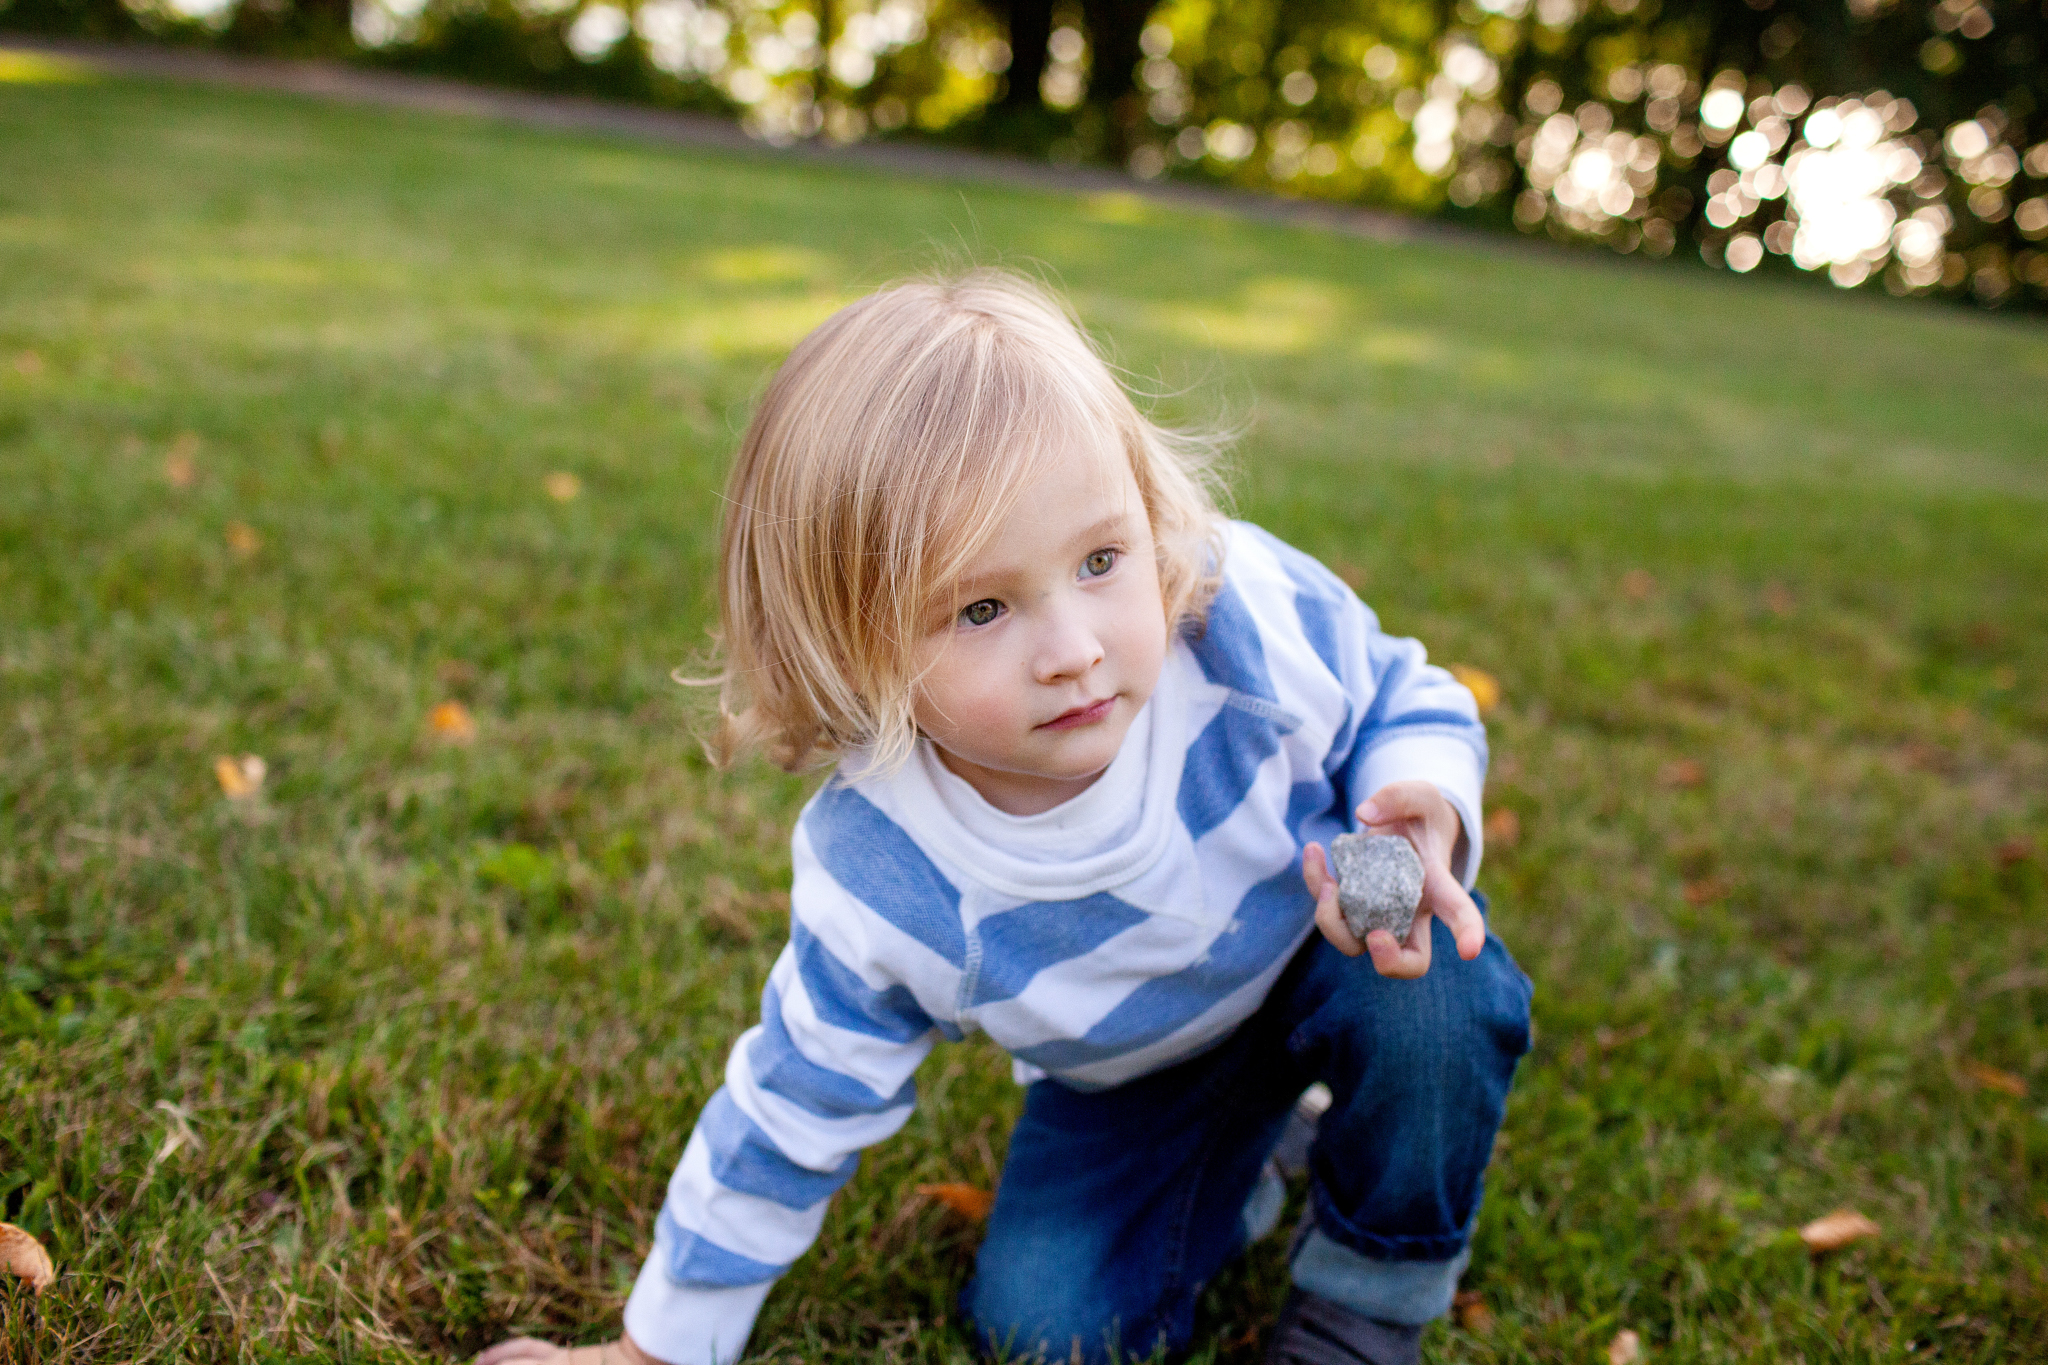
(886, 452)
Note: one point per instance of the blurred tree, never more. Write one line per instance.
(100, 19)
(1893, 141)
(295, 27)
(1029, 27)
(1113, 28)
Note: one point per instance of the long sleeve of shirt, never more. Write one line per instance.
(1117, 934)
(1403, 717)
(825, 1073)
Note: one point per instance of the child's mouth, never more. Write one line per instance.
(1080, 715)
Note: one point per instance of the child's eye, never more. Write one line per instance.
(982, 612)
(1099, 563)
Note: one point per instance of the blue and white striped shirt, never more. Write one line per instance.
(1121, 932)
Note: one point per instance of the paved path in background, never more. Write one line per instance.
(359, 85)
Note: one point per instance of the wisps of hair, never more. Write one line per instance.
(884, 455)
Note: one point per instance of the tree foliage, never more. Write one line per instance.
(1893, 141)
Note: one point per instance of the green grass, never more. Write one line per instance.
(439, 1017)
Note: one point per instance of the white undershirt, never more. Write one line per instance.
(1115, 829)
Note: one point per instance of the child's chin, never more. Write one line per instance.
(1087, 751)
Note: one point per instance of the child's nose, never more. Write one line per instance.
(1070, 648)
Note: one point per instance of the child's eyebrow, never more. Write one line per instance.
(1115, 521)
(1091, 536)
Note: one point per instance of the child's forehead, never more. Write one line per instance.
(1094, 462)
(1078, 494)
(1074, 478)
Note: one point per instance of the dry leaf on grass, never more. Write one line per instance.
(1612, 1038)
(451, 721)
(1625, 1349)
(562, 486)
(21, 1254)
(1779, 599)
(1473, 1314)
(240, 778)
(1705, 890)
(28, 364)
(242, 538)
(1682, 773)
(1991, 1078)
(1484, 687)
(969, 1201)
(2015, 851)
(1833, 1231)
(177, 1131)
(1503, 828)
(1638, 584)
(181, 471)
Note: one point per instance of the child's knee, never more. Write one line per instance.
(1032, 1312)
(1426, 1030)
(1035, 1303)
(1495, 997)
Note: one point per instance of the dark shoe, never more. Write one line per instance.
(1314, 1331)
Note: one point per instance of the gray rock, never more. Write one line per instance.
(1379, 882)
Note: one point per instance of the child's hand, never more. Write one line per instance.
(621, 1352)
(1418, 812)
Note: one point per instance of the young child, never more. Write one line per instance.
(1090, 741)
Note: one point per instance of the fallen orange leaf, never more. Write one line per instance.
(969, 1201)
(2015, 851)
(1832, 1232)
(1684, 772)
(239, 778)
(1780, 600)
(180, 472)
(451, 721)
(1612, 1038)
(1625, 1349)
(28, 364)
(1704, 890)
(1473, 1314)
(562, 486)
(1503, 828)
(23, 1255)
(1991, 1078)
(242, 538)
(1484, 687)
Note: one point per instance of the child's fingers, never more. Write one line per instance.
(1315, 870)
(1447, 897)
(1330, 919)
(1399, 802)
(1402, 961)
(517, 1349)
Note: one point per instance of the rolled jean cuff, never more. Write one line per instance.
(1425, 1247)
(1408, 1292)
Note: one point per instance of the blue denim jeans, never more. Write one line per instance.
(1117, 1206)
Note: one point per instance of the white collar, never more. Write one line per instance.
(1111, 833)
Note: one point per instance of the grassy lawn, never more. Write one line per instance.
(398, 1055)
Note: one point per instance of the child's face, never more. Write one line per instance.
(1029, 689)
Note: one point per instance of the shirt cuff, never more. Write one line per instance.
(1453, 767)
(690, 1324)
